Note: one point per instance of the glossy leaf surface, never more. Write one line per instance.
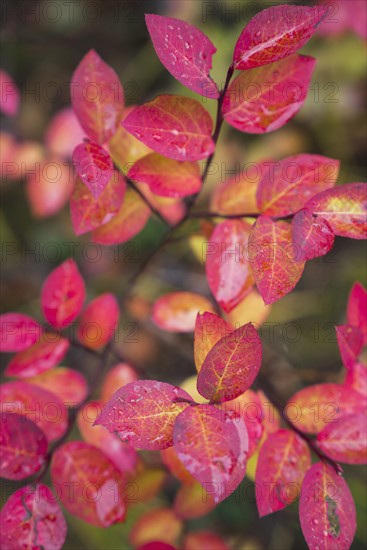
(143, 413)
(275, 33)
(264, 99)
(176, 127)
(185, 51)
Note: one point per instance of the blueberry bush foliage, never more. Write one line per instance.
(152, 160)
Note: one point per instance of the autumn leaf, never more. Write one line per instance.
(93, 165)
(326, 509)
(231, 365)
(18, 332)
(185, 51)
(345, 440)
(311, 235)
(209, 329)
(275, 33)
(174, 126)
(263, 99)
(284, 459)
(97, 97)
(143, 413)
(177, 311)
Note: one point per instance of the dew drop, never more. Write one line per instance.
(157, 137)
(257, 34)
(187, 45)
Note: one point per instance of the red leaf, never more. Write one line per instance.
(311, 235)
(69, 384)
(175, 466)
(231, 365)
(356, 378)
(87, 213)
(9, 94)
(208, 445)
(287, 185)
(17, 332)
(345, 208)
(98, 322)
(250, 409)
(97, 495)
(122, 455)
(264, 99)
(167, 177)
(97, 97)
(209, 329)
(326, 509)
(94, 166)
(41, 406)
(350, 342)
(120, 375)
(40, 357)
(128, 222)
(276, 33)
(177, 311)
(32, 519)
(185, 51)
(143, 413)
(227, 265)
(62, 295)
(346, 440)
(274, 260)
(357, 309)
(23, 447)
(313, 407)
(284, 459)
(174, 126)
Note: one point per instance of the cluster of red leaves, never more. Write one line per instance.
(205, 443)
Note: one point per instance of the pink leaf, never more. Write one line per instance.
(62, 295)
(177, 311)
(316, 406)
(346, 440)
(18, 332)
(350, 342)
(287, 185)
(231, 365)
(311, 235)
(143, 413)
(208, 445)
(345, 208)
(174, 126)
(227, 266)
(93, 165)
(120, 375)
(167, 177)
(23, 447)
(275, 33)
(357, 309)
(69, 384)
(356, 378)
(209, 329)
(264, 99)
(185, 51)
(40, 357)
(9, 95)
(284, 459)
(99, 321)
(87, 213)
(97, 495)
(97, 97)
(326, 509)
(39, 405)
(128, 222)
(31, 518)
(274, 261)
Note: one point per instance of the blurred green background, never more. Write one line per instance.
(43, 42)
